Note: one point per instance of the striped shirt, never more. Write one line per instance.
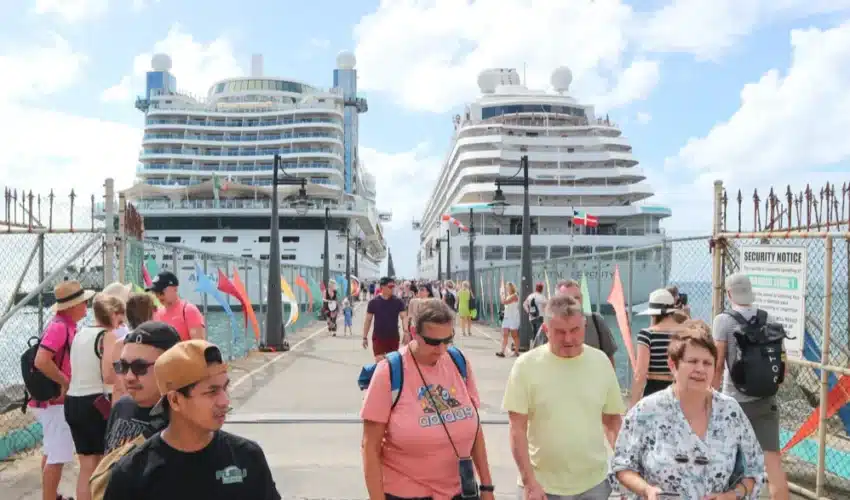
(657, 342)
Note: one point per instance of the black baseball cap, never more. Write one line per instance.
(162, 281)
(386, 280)
(155, 334)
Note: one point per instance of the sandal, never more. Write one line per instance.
(500, 354)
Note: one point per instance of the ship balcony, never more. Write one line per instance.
(165, 169)
(547, 156)
(162, 139)
(188, 154)
(258, 126)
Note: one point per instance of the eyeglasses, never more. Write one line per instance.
(436, 342)
(139, 367)
(683, 459)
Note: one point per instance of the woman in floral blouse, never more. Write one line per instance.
(688, 440)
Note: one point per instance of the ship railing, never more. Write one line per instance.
(260, 108)
(357, 207)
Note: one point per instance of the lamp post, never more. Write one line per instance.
(471, 254)
(347, 238)
(448, 254)
(326, 264)
(275, 338)
(498, 206)
(439, 260)
(356, 255)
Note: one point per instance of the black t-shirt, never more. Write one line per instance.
(127, 420)
(228, 468)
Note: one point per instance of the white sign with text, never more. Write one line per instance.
(778, 275)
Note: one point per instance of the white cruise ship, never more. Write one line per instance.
(206, 164)
(578, 163)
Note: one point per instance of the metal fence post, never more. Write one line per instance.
(629, 312)
(598, 285)
(41, 280)
(716, 256)
(122, 238)
(247, 284)
(204, 302)
(109, 247)
(262, 318)
(824, 375)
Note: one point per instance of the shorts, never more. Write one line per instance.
(58, 445)
(653, 386)
(88, 427)
(382, 345)
(764, 417)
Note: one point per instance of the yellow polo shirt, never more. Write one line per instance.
(564, 399)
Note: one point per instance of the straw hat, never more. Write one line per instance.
(118, 290)
(70, 293)
(660, 302)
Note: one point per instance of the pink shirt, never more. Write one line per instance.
(418, 460)
(57, 338)
(182, 315)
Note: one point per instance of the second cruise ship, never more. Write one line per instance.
(584, 185)
(206, 164)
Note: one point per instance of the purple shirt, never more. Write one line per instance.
(385, 314)
(57, 338)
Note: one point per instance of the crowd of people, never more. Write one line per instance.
(141, 397)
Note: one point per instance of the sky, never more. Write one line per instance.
(750, 92)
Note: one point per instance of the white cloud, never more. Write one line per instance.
(428, 55)
(74, 11)
(195, 65)
(709, 28)
(643, 117)
(403, 180)
(320, 43)
(48, 69)
(790, 128)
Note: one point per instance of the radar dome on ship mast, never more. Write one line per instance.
(346, 60)
(561, 79)
(161, 62)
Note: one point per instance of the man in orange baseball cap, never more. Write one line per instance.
(192, 457)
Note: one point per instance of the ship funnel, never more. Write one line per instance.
(257, 66)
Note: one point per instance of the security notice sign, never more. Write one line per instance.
(778, 275)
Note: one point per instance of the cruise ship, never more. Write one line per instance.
(204, 178)
(578, 164)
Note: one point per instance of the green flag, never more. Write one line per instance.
(216, 186)
(585, 295)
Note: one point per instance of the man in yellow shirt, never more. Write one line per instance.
(563, 399)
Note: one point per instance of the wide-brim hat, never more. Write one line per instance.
(118, 290)
(69, 294)
(661, 301)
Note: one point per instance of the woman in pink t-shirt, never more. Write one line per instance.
(416, 448)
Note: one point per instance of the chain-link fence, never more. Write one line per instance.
(684, 263)
(47, 239)
(798, 260)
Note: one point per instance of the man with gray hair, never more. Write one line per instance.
(597, 333)
(562, 381)
(763, 413)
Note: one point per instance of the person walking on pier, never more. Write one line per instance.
(563, 400)
(426, 442)
(385, 310)
(184, 316)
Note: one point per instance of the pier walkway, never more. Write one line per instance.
(302, 407)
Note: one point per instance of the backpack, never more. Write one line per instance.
(533, 310)
(37, 386)
(451, 300)
(101, 475)
(397, 371)
(761, 366)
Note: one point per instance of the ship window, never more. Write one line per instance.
(582, 250)
(172, 239)
(287, 257)
(464, 252)
(247, 256)
(605, 249)
(207, 239)
(559, 251)
(290, 239)
(229, 239)
(493, 253)
(264, 239)
(153, 238)
(188, 256)
(264, 256)
(167, 256)
(513, 253)
(339, 256)
(538, 253)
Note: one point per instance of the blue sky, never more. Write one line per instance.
(751, 92)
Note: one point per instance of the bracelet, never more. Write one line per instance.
(487, 488)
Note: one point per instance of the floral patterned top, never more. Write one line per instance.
(657, 442)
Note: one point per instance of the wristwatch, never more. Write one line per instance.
(486, 488)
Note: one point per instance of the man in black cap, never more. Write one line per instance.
(385, 310)
(131, 415)
(185, 317)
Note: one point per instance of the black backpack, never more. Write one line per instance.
(450, 300)
(761, 367)
(38, 387)
(533, 310)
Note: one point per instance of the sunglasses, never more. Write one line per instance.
(435, 342)
(139, 367)
(683, 459)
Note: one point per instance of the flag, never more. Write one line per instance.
(585, 294)
(617, 299)
(581, 218)
(299, 282)
(237, 282)
(216, 186)
(837, 397)
(289, 298)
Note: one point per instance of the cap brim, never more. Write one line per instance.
(651, 312)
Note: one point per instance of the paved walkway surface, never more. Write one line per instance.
(316, 453)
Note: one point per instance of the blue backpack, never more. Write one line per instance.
(397, 372)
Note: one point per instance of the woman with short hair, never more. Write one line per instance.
(688, 440)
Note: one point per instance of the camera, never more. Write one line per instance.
(468, 484)
(683, 299)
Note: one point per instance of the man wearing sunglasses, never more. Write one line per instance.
(385, 310)
(131, 415)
